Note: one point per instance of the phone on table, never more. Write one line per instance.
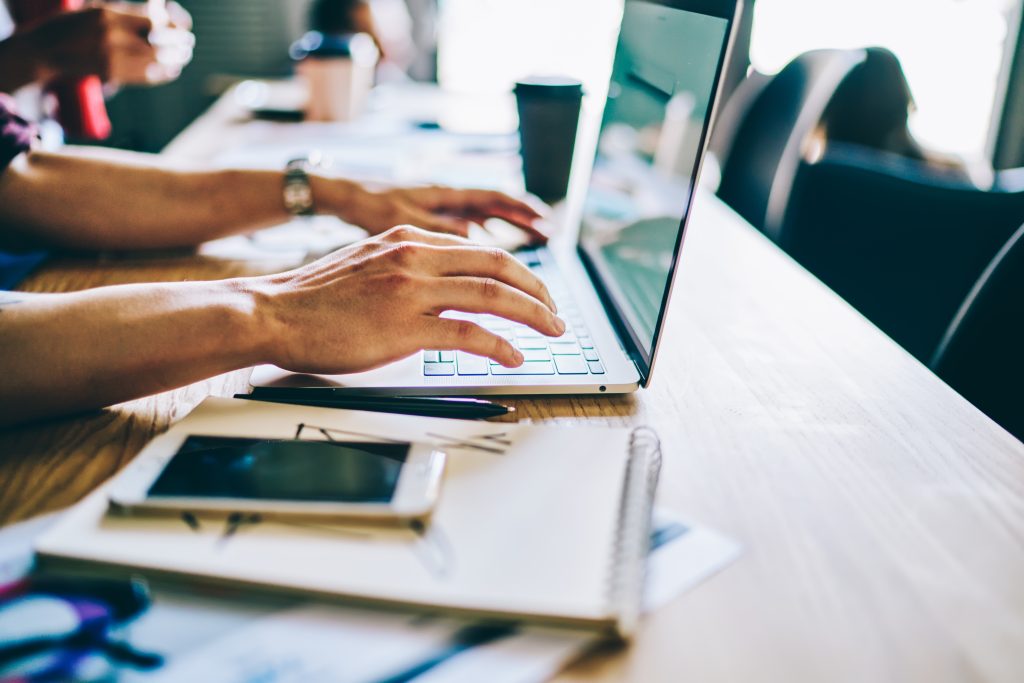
(330, 480)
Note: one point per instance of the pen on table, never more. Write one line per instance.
(464, 408)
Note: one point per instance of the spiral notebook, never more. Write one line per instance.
(541, 523)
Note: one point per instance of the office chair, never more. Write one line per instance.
(982, 353)
(760, 135)
(899, 240)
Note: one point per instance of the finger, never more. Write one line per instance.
(534, 229)
(477, 204)
(451, 225)
(489, 295)
(412, 233)
(462, 335)
(178, 16)
(480, 262)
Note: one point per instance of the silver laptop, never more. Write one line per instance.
(613, 288)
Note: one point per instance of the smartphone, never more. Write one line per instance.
(330, 480)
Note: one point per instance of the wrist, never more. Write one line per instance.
(249, 316)
(345, 199)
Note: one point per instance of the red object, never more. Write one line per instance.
(80, 105)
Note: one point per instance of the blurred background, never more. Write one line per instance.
(952, 51)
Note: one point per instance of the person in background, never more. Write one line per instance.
(361, 307)
(872, 108)
(114, 41)
(404, 30)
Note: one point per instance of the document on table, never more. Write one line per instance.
(328, 644)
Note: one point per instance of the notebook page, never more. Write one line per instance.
(526, 523)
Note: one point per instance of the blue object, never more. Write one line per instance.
(58, 630)
(15, 267)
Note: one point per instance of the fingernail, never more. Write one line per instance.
(517, 359)
(560, 326)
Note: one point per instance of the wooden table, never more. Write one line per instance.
(883, 515)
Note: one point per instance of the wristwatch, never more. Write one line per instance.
(297, 192)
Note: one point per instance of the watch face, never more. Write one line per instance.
(298, 195)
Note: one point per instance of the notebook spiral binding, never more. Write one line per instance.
(632, 543)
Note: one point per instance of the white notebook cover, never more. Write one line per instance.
(541, 522)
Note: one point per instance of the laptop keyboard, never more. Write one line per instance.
(571, 354)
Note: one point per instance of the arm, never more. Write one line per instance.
(125, 200)
(117, 343)
(362, 307)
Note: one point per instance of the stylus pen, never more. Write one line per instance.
(463, 408)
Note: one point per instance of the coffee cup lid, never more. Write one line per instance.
(549, 86)
(357, 46)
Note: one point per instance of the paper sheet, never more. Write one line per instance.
(340, 645)
(220, 640)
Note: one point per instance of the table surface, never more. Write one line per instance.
(882, 515)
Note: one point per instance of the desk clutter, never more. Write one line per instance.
(543, 542)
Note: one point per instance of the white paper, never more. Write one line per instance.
(341, 645)
(16, 541)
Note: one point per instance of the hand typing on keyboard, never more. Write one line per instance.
(381, 300)
(571, 352)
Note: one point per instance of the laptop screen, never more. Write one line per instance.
(663, 84)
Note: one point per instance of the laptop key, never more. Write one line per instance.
(447, 356)
(586, 342)
(571, 365)
(590, 354)
(596, 367)
(532, 368)
(431, 356)
(439, 369)
(563, 349)
(531, 343)
(533, 355)
(468, 364)
(527, 333)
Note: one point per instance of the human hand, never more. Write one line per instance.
(119, 42)
(380, 300)
(435, 208)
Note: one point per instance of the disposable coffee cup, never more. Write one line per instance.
(549, 114)
(339, 72)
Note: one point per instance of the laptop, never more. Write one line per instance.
(613, 288)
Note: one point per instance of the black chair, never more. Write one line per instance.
(982, 352)
(760, 135)
(901, 242)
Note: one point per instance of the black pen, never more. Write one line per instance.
(462, 408)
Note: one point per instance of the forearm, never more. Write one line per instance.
(65, 353)
(120, 200)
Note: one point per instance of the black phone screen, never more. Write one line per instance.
(284, 470)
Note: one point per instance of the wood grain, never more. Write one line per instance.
(882, 515)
